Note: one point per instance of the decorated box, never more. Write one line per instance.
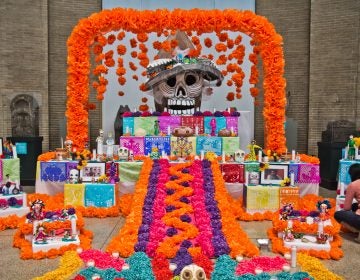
(167, 123)
(100, 195)
(128, 126)
(233, 172)
(12, 168)
(134, 143)
(209, 144)
(289, 195)
(13, 204)
(232, 124)
(74, 195)
(146, 123)
(344, 176)
(219, 123)
(54, 171)
(260, 198)
(252, 173)
(183, 146)
(160, 142)
(230, 145)
(308, 173)
(193, 121)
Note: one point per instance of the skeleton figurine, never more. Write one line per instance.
(239, 156)
(74, 176)
(68, 146)
(100, 143)
(192, 272)
(123, 153)
(178, 84)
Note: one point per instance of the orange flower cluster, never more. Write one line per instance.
(309, 159)
(46, 156)
(202, 21)
(10, 222)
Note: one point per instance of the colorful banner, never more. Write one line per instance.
(99, 195)
(232, 124)
(159, 142)
(136, 144)
(289, 195)
(128, 126)
(209, 144)
(193, 122)
(74, 194)
(11, 167)
(53, 171)
(219, 123)
(309, 173)
(169, 122)
(261, 198)
(146, 123)
(230, 145)
(233, 172)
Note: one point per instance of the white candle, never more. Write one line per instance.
(260, 156)
(293, 155)
(163, 154)
(202, 154)
(228, 109)
(168, 130)
(115, 255)
(223, 156)
(90, 263)
(165, 109)
(293, 256)
(214, 109)
(14, 151)
(62, 143)
(239, 258)
(79, 250)
(151, 110)
(287, 256)
(342, 189)
(127, 130)
(24, 200)
(289, 223)
(258, 271)
(100, 148)
(286, 268)
(73, 226)
(196, 130)
(292, 179)
(320, 227)
(94, 154)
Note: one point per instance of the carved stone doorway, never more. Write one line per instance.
(24, 116)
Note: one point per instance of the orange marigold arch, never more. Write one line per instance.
(204, 21)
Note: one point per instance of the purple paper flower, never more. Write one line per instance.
(170, 191)
(185, 218)
(218, 114)
(186, 244)
(184, 199)
(235, 114)
(171, 231)
(173, 178)
(12, 201)
(156, 113)
(71, 211)
(170, 208)
(314, 214)
(137, 114)
(185, 170)
(182, 259)
(185, 184)
(140, 246)
(198, 113)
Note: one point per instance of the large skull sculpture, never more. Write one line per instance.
(180, 94)
(192, 272)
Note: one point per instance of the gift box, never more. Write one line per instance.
(220, 123)
(146, 123)
(309, 173)
(128, 126)
(53, 171)
(160, 142)
(169, 122)
(134, 143)
(74, 194)
(230, 145)
(261, 198)
(233, 172)
(252, 174)
(232, 124)
(289, 195)
(209, 144)
(183, 146)
(99, 195)
(193, 122)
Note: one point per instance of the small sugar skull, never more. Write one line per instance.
(123, 153)
(192, 272)
(239, 156)
(74, 176)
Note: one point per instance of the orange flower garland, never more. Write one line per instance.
(258, 27)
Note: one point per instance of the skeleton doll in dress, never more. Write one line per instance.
(178, 83)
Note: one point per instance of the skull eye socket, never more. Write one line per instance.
(187, 274)
(200, 275)
(190, 79)
(171, 82)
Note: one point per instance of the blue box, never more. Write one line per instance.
(219, 121)
(209, 144)
(160, 142)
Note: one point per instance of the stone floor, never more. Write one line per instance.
(12, 267)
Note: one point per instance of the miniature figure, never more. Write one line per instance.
(252, 147)
(100, 143)
(351, 148)
(110, 146)
(36, 211)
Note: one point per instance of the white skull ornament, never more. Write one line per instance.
(239, 156)
(123, 153)
(74, 176)
(192, 272)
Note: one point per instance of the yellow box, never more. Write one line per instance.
(74, 194)
(261, 198)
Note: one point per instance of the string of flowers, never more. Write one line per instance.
(254, 72)
(258, 27)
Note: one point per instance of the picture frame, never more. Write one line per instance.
(92, 171)
(252, 178)
(274, 174)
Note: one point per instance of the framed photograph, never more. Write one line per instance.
(92, 171)
(274, 174)
(252, 178)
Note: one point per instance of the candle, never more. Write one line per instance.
(62, 143)
(165, 109)
(14, 151)
(168, 130)
(260, 156)
(320, 227)
(90, 263)
(214, 109)
(286, 268)
(223, 156)
(342, 189)
(79, 250)
(151, 110)
(196, 130)
(172, 266)
(73, 226)
(232, 131)
(202, 154)
(94, 154)
(239, 258)
(258, 270)
(293, 256)
(287, 256)
(115, 254)
(293, 155)
(309, 220)
(1, 149)
(289, 223)
(127, 130)
(266, 159)
(163, 154)
(229, 110)
(24, 200)
(292, 179)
